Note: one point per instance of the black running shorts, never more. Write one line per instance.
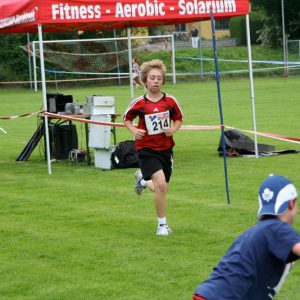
(152, 161)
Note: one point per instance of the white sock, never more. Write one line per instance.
(143, 183)
(162, 221)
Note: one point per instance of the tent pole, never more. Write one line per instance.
(284, 39)
(220, 102)
(46, 128)
(117, 57)
(130, 62)
(34, 66)
(29, 61)
(201, 52)
(173, 60)
(251, 84)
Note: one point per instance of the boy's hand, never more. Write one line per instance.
(139, 134)
(168, 131)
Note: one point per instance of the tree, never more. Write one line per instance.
(271, 32)
(237, 27)
(13, 59)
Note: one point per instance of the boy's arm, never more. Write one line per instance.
(177, 124)
(138, 133)
(296, 249)
(171, 130)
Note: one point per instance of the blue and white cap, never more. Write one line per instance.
(274, 195)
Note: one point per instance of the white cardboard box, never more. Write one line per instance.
(103, 158)
(99, 135)
(103, 105)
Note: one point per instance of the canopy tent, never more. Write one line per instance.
(18, 16)
(23, 16)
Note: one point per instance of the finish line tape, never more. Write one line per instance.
(271, 135)
(113, 124)
(82, 120)
(27, 115)
(183, 127)
(199, 127)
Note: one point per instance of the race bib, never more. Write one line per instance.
(155, 123)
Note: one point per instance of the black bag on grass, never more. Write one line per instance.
(238, 144)
(125, 156)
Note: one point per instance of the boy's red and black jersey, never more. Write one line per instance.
(153, 116)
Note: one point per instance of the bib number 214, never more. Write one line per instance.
(157, 122)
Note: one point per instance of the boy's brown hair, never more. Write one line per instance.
(146, 67)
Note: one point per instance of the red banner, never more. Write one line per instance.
(24, 15)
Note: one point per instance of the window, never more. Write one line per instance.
(222, 24)
(180, 27)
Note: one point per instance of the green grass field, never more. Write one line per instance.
(81, 233)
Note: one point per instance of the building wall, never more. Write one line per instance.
(205, 30)
(203, 27)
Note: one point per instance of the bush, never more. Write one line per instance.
(237, 27)
(13, 59)
(237, 30)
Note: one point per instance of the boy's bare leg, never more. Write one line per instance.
(160, 188)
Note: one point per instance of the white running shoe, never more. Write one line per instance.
(163, 230)
(138, 188)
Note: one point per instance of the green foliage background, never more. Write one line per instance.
(271, 10)
(265, 23)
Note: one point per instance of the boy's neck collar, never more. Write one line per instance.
(155, 98)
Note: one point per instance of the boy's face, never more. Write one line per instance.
(154, 80)
(290, 213)
(294, 212)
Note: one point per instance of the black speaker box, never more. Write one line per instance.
(57, 102)
(62, 138)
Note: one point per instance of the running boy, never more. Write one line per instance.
(160, 116)
(257, 263)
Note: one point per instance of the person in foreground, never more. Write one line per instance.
(257, 263)
(160, 116)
